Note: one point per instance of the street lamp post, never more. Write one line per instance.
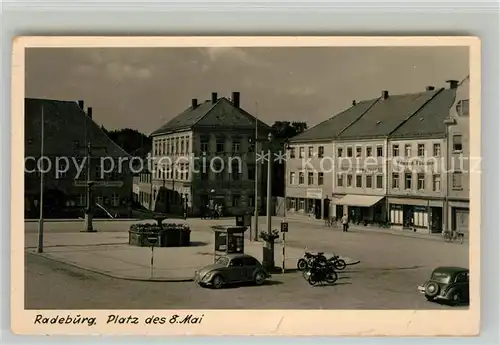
(269, 197)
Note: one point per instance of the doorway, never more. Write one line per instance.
(408, 216)
(436, 219)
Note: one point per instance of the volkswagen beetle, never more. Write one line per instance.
(448, 284)
(232, 268)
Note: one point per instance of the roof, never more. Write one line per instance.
(329, 129)
(428, 121)
(65, 126)
(238, 255)
(450, 269)
(386, 115)
(207, 114)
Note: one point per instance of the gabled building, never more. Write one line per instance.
(373, 156)
(206, 155)
(67, 131)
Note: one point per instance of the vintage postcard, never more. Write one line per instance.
(246, 186)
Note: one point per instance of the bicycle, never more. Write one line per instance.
(450, 236)
(330, 222)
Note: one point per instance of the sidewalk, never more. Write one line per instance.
(108, 253)
(294, 218)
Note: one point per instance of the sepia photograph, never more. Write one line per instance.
(243, 177)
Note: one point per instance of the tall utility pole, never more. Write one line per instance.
(269, 203)
(256, 149)
(40, 221)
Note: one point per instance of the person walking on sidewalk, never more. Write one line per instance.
(345, 223)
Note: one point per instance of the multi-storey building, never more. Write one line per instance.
(67, 132)
(417, 167)
(207, 154)
(309, 168)
(460, 163)
(373, 152)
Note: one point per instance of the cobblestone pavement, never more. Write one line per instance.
(53, 285)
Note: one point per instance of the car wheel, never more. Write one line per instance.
(301, 264)
(259, 278)
(217, 282)
(340, 264)
(455, 297)
(432, 289)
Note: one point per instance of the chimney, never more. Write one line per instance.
(89, 112)
(453, 83)
(194, 103)
(81, 105)
(429, 88)
(214, 97)
(385, 94)
(236, 99)
(353, 102)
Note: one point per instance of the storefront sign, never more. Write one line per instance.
(414, 162)
(314, 193)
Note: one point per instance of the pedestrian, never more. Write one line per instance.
(345, 223)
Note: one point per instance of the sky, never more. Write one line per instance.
(143, 88)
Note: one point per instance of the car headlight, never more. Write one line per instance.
(207, 276)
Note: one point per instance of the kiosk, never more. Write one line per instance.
(229, 239)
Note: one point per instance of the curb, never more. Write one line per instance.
(165, 280)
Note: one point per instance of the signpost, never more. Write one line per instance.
(284, 230)
(152, 239)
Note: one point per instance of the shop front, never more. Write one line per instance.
(418, 215)
(361, 209)
(459, 215)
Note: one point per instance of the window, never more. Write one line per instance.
(421, 150)
(251, 201)
(368, 181)
(81, 199)
(309, 151)
(292, 177)
(457, 143)
(462, 277)
(436, 150)
(219, 146)
(219, 173)
(349, 180)
(292, 152)
(421, 181)
(235, 172)
(408, 181)
(358, 152)
(310, 178)
(182, 146)
(320, 179)
(98, 172)
(359, 182)
(457, 180)
(249, 261)
(463, 108)
(436, 183)
(99, 200)
(340, 152)
(369, 152)
(301, 177)
(177, 146)
(301, 152)
(321, 152)
(408, 150)
(349, 152)
(251, 172)
(395, 181)
(204, 146)
(380, 152)
(236, 200)
(380, 183)
(115, 200)
(340, 180)
(236, 146)
(395, 150)
(236, 262)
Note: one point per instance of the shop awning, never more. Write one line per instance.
(359, 200)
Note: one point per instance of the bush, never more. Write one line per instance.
(147, 227)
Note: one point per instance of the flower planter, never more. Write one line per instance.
(169, 235)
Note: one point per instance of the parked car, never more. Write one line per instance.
(449, 284)
(232, 268)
